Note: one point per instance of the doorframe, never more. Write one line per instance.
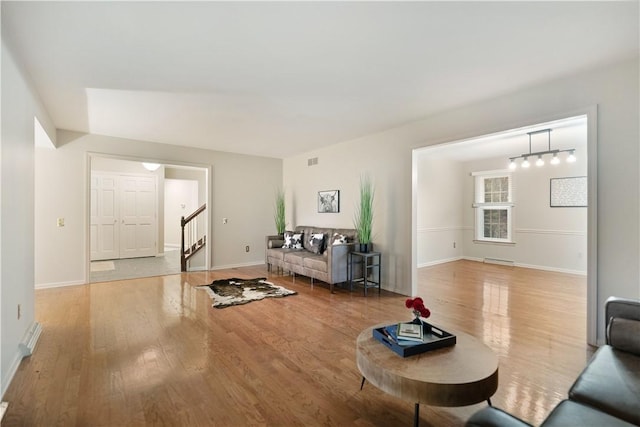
(208, 169)
(591, 112)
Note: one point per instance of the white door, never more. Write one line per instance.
(123, 216)
(138, 216)
(105, 229)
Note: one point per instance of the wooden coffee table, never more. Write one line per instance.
(460, 375)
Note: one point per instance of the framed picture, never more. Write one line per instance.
(329, 201)
(570, 192)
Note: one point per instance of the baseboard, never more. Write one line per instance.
(536, 267)
(25, 348)
(244, 264)
(552, 269)
(515, 264)
(11, 371)
(59, 284)
(440, 261)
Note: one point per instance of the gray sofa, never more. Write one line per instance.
(330, 265)
(607, 392)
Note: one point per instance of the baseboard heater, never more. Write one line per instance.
(499, 261)
(3, 409)
(30, 340)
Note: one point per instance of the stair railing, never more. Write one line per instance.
(192, 239)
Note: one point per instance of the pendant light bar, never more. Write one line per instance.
(571, 158)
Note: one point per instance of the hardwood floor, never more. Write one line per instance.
(154, 352)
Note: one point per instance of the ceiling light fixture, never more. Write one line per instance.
(540, 162)
(151, 166)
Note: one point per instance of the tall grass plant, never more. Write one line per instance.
(278, 211)
(363, 219)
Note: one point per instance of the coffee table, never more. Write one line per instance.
(460, 375)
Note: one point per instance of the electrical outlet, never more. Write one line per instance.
(225, 220)
(60, 222)
(246, 248)
(19, 312)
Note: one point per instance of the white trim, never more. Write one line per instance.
(244, 264)
(552, 269)
(25, 348)
(515, 264)
(517, 230)
(11, 371)
(59, 284)
(553, 232)
(496, 172)
(535, 267)
(439, 261)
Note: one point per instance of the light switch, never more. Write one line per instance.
(225, 220)
(60, 222)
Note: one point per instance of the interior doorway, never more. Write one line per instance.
(436, 242)
(135, 216)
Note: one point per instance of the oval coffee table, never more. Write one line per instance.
(463, 374)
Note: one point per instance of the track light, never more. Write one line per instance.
(540, 161)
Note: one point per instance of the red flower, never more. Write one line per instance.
(417, 304)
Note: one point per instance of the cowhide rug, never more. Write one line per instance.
(234, 291)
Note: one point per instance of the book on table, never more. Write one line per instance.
(410, 332)
(391, 332)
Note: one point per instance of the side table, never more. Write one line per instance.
(371, 263)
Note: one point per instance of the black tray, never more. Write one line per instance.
(434, 338)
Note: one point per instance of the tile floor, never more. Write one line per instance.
(134, 268)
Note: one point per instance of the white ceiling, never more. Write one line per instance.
(282, 78)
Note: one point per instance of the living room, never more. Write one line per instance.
(605, 89)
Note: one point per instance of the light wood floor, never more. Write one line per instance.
(153, 351)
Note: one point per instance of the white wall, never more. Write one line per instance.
(387, 156)
(440, 205)
(19, 106)
(241, 187)
(180, 200)
(545, 238)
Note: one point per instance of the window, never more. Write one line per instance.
(493, 205)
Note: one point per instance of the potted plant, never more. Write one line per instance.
(278, 212)
(364, 214)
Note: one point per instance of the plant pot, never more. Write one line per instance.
(365, 247)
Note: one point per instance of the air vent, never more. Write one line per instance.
(312, 162)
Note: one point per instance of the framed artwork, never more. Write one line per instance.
(329, 201)
(570, 192)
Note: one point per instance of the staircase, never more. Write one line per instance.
(192, 239)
